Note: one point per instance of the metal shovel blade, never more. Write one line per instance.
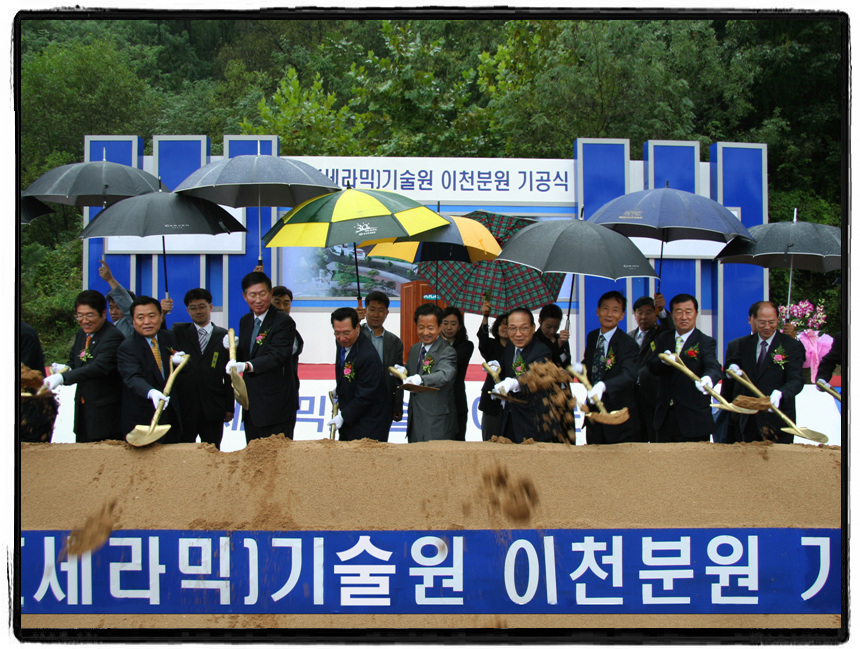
(240, 392)
(807, 433)
(145, 435)
(613, 417)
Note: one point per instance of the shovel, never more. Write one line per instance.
(332, 429)
(410, 388)
(833, 393)
(723, 403)
(792, 428)
(604, 416)
(501, 394)
(143, 435)
(240, 392)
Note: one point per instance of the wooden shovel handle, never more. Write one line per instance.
(231, 336)
(492, 372)
(751, 386)
(399, 375)
(833, 393)
(686, 370)
(334, 409)
(167, 386)
(583, 378)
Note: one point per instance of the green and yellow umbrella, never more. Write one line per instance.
(350, 216)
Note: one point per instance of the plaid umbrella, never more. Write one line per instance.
(509, 285)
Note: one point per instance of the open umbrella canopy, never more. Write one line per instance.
(463, 240)
(573, 246)
(788, 244)
(257, 180)
(161, 213)
(669, 215)
(96, 183)
(350, 216)
(506, 284)
(31, 208)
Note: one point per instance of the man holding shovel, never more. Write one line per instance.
(611, 366)
(144, 362)
(773, 362)
(683, 412)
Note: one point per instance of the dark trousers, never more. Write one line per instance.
(462, 420)
(670, 431)
(209, 432)
(491, 426)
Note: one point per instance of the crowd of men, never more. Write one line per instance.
(122, 367)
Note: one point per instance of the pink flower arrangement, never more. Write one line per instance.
(804, 315)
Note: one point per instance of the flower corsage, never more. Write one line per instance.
(85, 355)
(519, 367)
(779, 357)
(693, 352)
(348, 371)
(261, 337)
(428, 364)
(609, 361)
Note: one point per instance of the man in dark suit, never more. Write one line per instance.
(143, 361)
(773, 362)
(683, 412)
(363, 407)
(649, 324)
(387, 345)
(92, 366)
(610, 364)
(265, 358)
(30, 348)
(529, 420)
(203, 388)
(727, 431)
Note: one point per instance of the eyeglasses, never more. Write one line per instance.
(86, 316)
(766, 323)
(201, 307)
(524, 329)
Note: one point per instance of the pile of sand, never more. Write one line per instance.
(278, 484)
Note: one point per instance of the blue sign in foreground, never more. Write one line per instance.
(739, 571)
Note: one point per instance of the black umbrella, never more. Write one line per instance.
(257, 180)
(788, 244)
(31, 208)
(161, 213)
(100, 184)
(576, 247)
(669, 215)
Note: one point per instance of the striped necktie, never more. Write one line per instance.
(204, 339)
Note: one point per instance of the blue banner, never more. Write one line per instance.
(661, 571)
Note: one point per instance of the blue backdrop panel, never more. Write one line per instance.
(143, 286)
(740, 290)
(121, 151)
(594, 288)
(708, 300)
(678, 276)
(604, 167)
(178, 159)
(639, 287)
(183, 274)
(215, 278)
(672, 163)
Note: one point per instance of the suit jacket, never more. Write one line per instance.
(692, 408)
(729, 387)
(831, 359)
(98, 397)
(560, 353)
(364, 407)
(620, 381)
(392, 354)
(299, 346)
(31, 349)
(203, 386)
(786, 377)
(491, 349)
(140, 374)
(523, 421)
(272, 383)
(433, 415)
(464, 354)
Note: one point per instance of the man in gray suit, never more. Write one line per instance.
(433, 363)
(388, 346)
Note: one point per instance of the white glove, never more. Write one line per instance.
(53, 382)
(495, 365)
(508, 385)
(821, 384)
(700, 385)
(671, 356)
(155, 396)
(579, 368)
(176, 359)
(239, 365)
(775, 398)
(412, 380)
(596, 392)
(56, 368)
(226, 340)
(734, 368)
(337, 420)
(400, 369)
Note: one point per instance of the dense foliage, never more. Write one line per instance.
(495, 87)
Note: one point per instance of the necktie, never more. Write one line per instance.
(342, 356)
(762, 355)
(87, 341)
(204, 339)
(421, 356)
(640, 336)
(155, 352)
(679, 344)
(257, 323)
(599, 359)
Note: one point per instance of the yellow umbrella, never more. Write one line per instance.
(466, 240)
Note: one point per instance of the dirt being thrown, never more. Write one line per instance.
(94, 534)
